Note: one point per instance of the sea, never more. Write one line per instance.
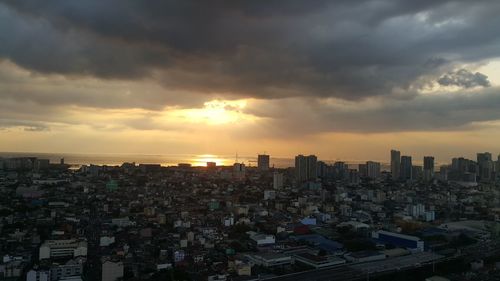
(112, 159)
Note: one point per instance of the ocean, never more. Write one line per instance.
(77, 159)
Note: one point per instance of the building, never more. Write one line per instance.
(395, 164)
(463, 170)
(269, 194)
(263, 239)
(270, 259)
(38, 275)
(486, 167)
(62, 248)
(239, 170)
(72, 268)
(277, 180)
(416, 210)
(406, 168)
(353, 177)
(317, 262)
(105, 241)
(41, 164)
(341, 170)
(373, 170)
(364, 256)
(112, 185)
(263, 162)
(322, 168)
(306, 168)
(417, 173)
(111, 270)
(412, 243)
(428, 168)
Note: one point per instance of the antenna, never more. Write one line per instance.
(236, 160)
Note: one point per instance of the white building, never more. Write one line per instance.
(71, 269)
(263, 239)
(38, 275)
(416, 211)
(111, 270)
(105, 241)
(62, 248)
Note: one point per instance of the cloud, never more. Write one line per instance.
(298, 118)
(240, 49)
(307, 68)
(29, 126)
(465, 79)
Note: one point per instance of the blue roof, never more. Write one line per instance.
(321, 242)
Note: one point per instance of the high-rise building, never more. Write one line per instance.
(353, 176)
(41, 164)
(395, 164)
(486, 167)
(483, 157)
(322, 169)
(277, 180)
(498, 165)
(263, 162)
(406, 168)
(428, 168)
(416, 172)
(306, 168)
(372, 169)
(340, 170)
(463, 170)
(239, 170)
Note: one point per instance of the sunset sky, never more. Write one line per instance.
(341, 79)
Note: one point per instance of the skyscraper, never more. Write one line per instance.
(263, 162)
(322, 169)
(306, 168)
(428, 168)
(239, 170)
(372, 169)
(486, 167)
(277, 180)
(395, 164)
(498, 165)
(406, 168)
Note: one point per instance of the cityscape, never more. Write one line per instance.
(312, 221)
(249, 140)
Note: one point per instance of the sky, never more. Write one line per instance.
(341, 79)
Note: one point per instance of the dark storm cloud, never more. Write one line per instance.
(464, 78)
(30, 126)
(432, 112)
(264, 49)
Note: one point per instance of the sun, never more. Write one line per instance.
(201, 160)
(217, 112)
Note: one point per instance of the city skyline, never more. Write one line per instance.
(336, 79)
(246, 140)
(263, 162)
